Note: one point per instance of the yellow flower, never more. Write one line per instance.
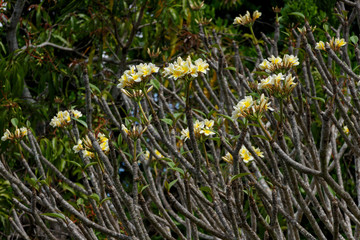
(209, 123)
(23, 131)
(207, 132)
(320, 46)
(228, 158)
(88, 154)
(77, 114)
(78, 147)
(346, 130)
(245, 155)
(201, 65)
(337, 43)
(125, 129)
(258, 152)
(247, 19)
(185, 135)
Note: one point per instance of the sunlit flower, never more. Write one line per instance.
(137, 74)
(249, 108)
(88, 154)
(123, 127)
(346, 130)
(272, 64)
(77, 114)
(247, 19)
(209, 123)
(228, 158)
(201, 65)
(181, 68)
(17, 133)
(78, 147)
(320, 46)
(207, 132)
(337, 43)
(245, 154)
(185, 135)
(258, 152)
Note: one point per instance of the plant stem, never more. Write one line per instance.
(265, 131)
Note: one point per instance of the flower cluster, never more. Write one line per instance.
(250, 108)
(63, 118)
(201, 129)
(335, 44)
(137, 74)
(86, 147)
(181, 68)
(19, 133)
(135, 132)
(247, 19)
(278, 84)
(157, 153)
(273, 63)
(244, 154)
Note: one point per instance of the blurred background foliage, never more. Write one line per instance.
(105, 37)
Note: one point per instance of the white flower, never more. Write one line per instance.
(6, 136)
(77, 114)
(320, 46)
(78, 147)
(23, 131)
(185, 135)
(245, 155)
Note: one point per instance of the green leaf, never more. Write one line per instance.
(57, 215)
(75, 163)
(239, 176)
(231, 68)
(178, 170)
(206, 189)
(171, 184)
(318, 98)
(143, 188)
(81, 122)
(171, 163)
(94, 87)
(227, 117)
(354, 39)
(298, 14)
(260, 136)
(155, 83)
(167, 121)
(95, 197)
(105, 199)
(14, 122)
(200, 112)
(90, 164)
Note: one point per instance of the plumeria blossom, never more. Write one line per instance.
(278, 84)
(157, 153)
(245, 155)
(63, 118)
(137, 74)
(252, 109)
(78, 147)
(346, 130)
(335, 44)
(273, 63)
(85, 145)
(181, 68)
(19, 133)
(135, 132)
(247, 19)
(201, 129)
(320, 46)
